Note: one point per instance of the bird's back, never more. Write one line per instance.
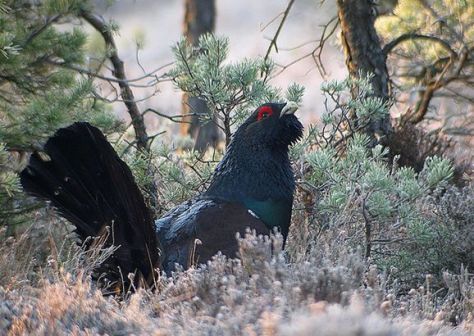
(195, 231)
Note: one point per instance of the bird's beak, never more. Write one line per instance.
(289, 108)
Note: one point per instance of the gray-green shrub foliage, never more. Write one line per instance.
(378, 205)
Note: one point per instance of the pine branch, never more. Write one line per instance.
(414, 36)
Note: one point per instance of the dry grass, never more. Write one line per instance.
(260, 294)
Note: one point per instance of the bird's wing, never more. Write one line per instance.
(195, 231)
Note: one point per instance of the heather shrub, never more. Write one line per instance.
(260, 294)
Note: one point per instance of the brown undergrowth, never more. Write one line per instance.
(263, 293)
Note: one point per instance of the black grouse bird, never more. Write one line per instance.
(252, 187)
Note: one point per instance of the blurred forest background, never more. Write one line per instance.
(382, 236)
(247, 24)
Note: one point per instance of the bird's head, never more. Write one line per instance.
(271, 125)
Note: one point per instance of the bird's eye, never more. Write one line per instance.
(264, 112)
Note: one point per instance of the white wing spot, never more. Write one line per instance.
(253, 214)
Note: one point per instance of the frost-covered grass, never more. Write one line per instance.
(331, 291)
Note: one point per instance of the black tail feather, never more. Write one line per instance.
(92, 187)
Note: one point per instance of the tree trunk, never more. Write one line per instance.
(199, 18)
(364, 55)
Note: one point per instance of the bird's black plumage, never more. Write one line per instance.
(251, 187)
(85, 180)
(256, 169)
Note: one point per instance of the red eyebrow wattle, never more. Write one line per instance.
(264, 109)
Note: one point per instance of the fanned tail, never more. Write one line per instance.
(85, 180)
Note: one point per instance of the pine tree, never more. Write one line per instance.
(230, 90)
(37, 97)
(428, 46)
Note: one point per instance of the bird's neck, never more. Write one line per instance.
(260, 173)
(259, 177)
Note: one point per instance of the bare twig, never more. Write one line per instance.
(316, 53)
(179, 118)
(368, 229)
(130, 82)
(443, 79)
(273, 42)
